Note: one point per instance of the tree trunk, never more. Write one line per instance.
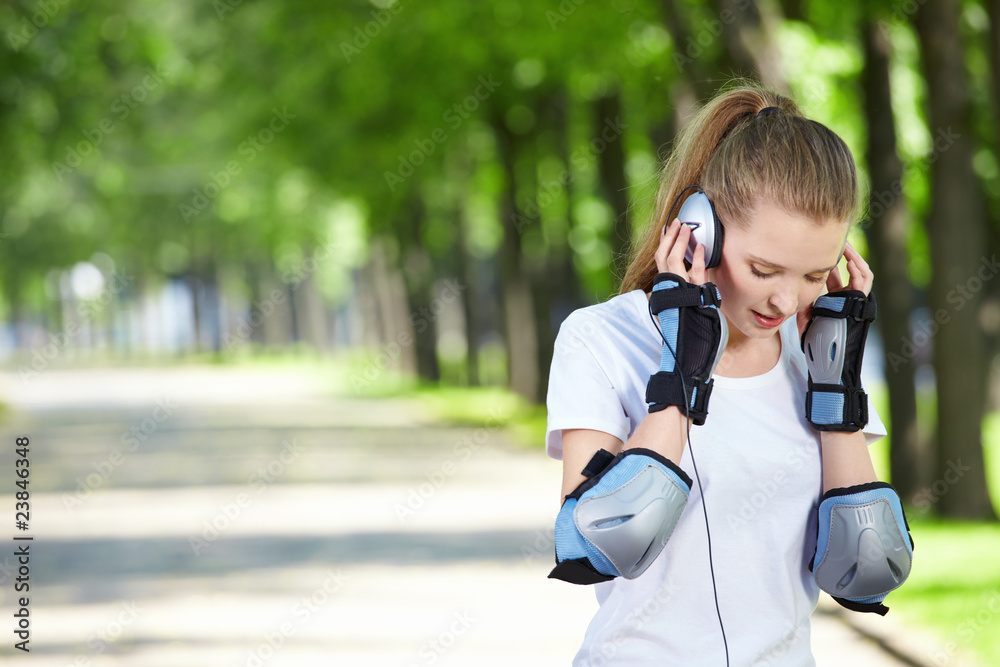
(613, 183)
(197, 289)
(273, 309)
(567, 292)
(992, 293)
(467, 275)
(518, 310)
(309, 313)
(747, 30)
(419, 276)
(689, 56)
(956, 234)
(886, 231)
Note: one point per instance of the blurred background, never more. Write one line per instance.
(322, 250)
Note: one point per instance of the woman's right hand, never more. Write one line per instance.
(670, 255)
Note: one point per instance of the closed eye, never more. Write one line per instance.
(764, 276)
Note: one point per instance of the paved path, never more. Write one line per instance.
(234, 517)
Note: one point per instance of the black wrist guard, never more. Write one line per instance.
(834, 344)
(694, 336)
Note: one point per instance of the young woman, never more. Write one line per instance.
(727, 569)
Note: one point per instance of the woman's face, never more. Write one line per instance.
(774, 267)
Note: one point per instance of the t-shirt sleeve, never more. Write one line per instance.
(582, 385)
(875, 429)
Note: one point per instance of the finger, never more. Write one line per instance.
(862, 277)
(833, 282)
(855, 278)
(675, 258)
(666, 243)
(698, 266)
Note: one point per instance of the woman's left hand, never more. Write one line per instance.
(860, 278)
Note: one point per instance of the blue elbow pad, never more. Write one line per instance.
(863, 548)
(617, 522)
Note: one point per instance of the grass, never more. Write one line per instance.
(954, 588)
(479, 406)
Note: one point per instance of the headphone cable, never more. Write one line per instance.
(704, 509)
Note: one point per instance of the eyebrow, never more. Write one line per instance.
(772, 265)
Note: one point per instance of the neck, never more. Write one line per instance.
(745, 356)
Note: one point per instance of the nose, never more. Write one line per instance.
(784, 300)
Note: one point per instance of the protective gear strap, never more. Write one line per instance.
(693, 295)
(666, 389)
(694, 337)
(832, 305)
(863, 547)
(617, 522)
(834, 344)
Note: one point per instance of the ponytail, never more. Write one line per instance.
(739, 157)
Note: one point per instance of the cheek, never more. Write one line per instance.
(809, 295)
(731, 287)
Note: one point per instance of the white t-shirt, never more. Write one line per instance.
(759, 463)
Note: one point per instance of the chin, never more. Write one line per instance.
(754, 331)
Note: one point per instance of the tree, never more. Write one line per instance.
(956, 233)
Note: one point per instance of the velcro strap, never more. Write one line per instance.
(681, 297)
(665, 389)
(871, 608)
(598, 462)
(832, 407)
(848, 303)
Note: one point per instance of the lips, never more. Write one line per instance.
(767, 322)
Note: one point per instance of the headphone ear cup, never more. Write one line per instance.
(698, 212)
(713, 255)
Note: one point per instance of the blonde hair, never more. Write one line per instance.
(740, 159)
